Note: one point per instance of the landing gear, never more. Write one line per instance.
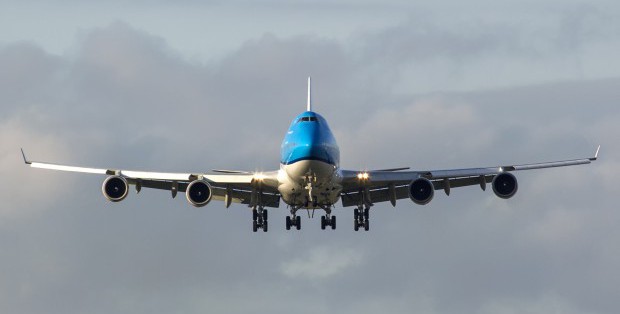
(328, 220)
(260, 219)
(360, 218)
(294, 221)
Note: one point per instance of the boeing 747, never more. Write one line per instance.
(310, 178)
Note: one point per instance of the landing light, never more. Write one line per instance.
(259, 176)
(363, 176)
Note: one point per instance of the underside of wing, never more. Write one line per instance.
(364, 188)
(252, 189)
(228, 192)
(391, 193)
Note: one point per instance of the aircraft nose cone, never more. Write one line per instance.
(309, 138)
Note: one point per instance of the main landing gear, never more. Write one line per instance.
(260, 219)
(360, 218)
(328, 220)
(294, 221)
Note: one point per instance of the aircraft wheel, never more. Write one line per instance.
(288, 222)
(323, 222)
(366, 225)
(333, 223)
(298, 223)
(254, 226)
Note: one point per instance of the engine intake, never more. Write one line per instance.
(199, 193)
(505, 185)
(421, 191)
(115, 188)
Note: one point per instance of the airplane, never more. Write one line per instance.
(310, 178)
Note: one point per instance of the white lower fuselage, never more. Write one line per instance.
(309, 184)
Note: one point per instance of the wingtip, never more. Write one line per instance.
(596, 153)
(26, 161)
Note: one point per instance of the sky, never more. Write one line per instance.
(188, 86)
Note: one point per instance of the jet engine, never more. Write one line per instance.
(198, 193)
(505, 185)
(421, 191)
(115, 188)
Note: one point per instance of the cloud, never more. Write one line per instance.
(321, 263)
(434, 50)
(415, 126)
(547, 304)
(26, 192)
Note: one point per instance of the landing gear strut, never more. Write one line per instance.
(260, 219)
(360, 218)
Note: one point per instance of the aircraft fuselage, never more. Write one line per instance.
(309, 163)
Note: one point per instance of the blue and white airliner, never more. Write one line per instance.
(310, 178)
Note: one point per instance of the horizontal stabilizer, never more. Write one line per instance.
(393, 169)
(230, 171)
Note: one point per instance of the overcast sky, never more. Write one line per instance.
(196, 85)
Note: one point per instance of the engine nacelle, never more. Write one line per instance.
(421, 191)
(199, 193)
(115, 188)
(505, 185)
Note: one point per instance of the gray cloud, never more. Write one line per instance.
(435, 50)
(126, 98)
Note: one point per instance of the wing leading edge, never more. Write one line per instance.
(359, 187)
(231, 186)
(368, 187)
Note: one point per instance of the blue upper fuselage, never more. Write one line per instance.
(309, 138)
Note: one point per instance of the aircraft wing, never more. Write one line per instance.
(368, 187)
(228, 186)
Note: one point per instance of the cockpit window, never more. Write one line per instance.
(307, 119)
